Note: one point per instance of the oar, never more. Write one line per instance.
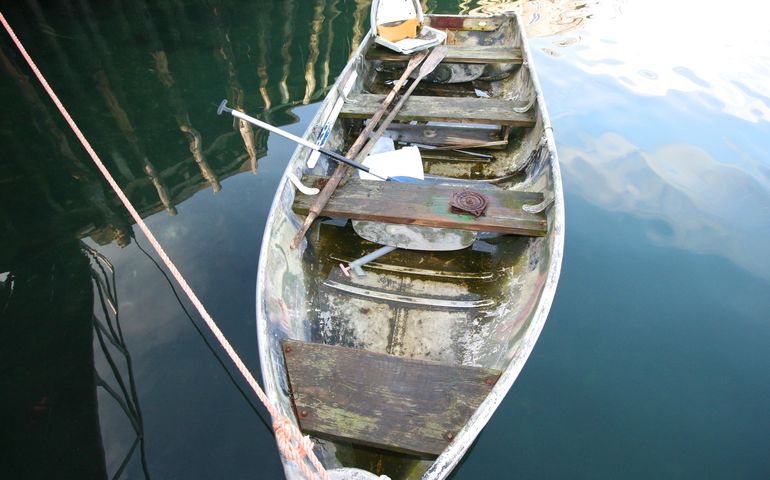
(430, 64)
(329, 153)
(433, 60)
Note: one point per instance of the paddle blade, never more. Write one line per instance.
(430, 64)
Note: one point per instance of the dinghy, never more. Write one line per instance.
(395, 371)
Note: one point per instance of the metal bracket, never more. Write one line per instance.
(299, 186)
(539, 207)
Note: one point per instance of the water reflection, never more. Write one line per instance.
(652, 48)
(541, 19)
(145, 80)
(141, 79)
(691, 200)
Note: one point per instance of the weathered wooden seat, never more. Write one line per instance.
(446, 109)
(457, 54)
(385, 401)
(428, 205)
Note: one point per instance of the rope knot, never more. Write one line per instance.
(296, 447)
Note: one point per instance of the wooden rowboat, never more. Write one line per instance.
(396, 372)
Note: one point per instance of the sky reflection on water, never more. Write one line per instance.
(665, 125)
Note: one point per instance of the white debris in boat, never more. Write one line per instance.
(403, 162)
(481, 93)
(354, 474)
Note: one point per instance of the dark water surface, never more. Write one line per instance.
(655, 362)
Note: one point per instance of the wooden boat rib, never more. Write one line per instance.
(397, 372)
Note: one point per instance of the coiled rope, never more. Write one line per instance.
(292, 444)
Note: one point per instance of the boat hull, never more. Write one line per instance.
(483, 306)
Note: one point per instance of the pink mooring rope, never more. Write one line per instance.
(292, 444)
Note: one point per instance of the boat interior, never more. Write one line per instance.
(385, 369)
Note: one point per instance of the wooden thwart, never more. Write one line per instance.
(457, 54)
(427, 204)
(389, 402)
(449, 109)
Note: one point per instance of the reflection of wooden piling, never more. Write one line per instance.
(359, 20)
(177, 103)
(235, 92)
(334, 13)
(313, 52)
(109, 85)
(124, 124)
(263, 27)
(288, 30)
(183, 119)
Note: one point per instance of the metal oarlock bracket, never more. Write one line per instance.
(300, 186)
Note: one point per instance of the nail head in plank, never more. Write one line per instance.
(458, 109)
(428, 205)
(385, 401)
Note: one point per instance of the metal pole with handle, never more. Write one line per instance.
(334, 155)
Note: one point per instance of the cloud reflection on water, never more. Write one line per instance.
(657, 46)
(700, 183)
(706, 206)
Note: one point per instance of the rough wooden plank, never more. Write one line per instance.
(425, 108)
(395, 403)
(457, 22)
(457, 54)
(427, 204)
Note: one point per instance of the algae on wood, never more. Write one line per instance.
(428, 205)
(384, 401)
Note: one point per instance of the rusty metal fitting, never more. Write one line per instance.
(466, 201)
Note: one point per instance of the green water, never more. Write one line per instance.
(654, 362)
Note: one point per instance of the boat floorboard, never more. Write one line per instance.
(385, 401)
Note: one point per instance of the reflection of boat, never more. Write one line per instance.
(396, 372)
